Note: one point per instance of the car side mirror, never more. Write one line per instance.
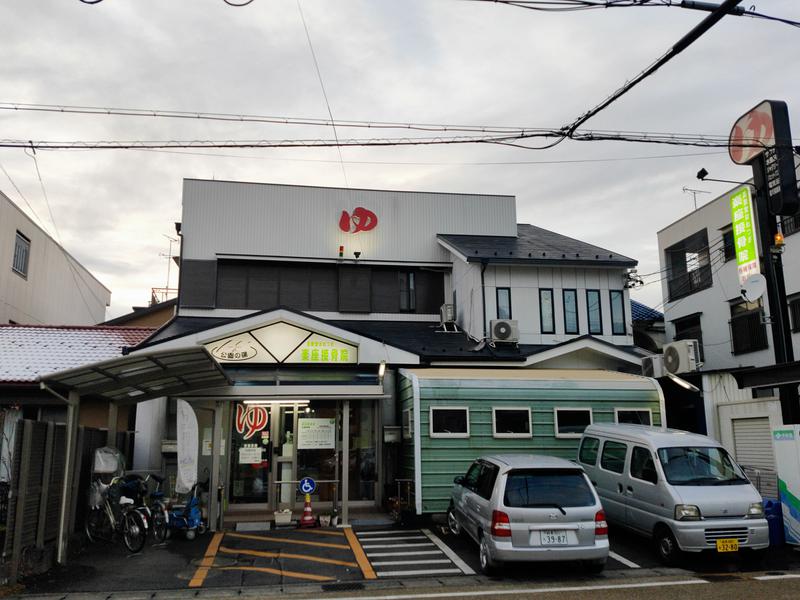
(459, 480)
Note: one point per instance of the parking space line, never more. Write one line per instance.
(419, 572)
(283, 572)
(358, 552)
(262, 538)
(399, 537)
(208, 560)
(455, 558)
(427, 561)
(771, 577)
(398, 545)
(321, 532)
(263, 554)
(414, 553)
(623, 560)
(385, 532)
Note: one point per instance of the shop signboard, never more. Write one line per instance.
(316, 434)
(186, 422)
(744, 233)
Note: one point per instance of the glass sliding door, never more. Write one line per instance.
(363, 466)
(251, 454)
(317, 441)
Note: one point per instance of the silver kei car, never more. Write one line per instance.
(523, 507)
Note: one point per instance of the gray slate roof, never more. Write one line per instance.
(534, 246)
(642, 312)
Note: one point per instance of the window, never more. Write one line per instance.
(588, 452)
(408, 291)
(688, 328)
(688, 266)
(503, 303)
(472, 476)
(617, 298)
(700, 466)
(728, 247)
(22, 251)
(547, 488)
(642, 465)
(546, 315)
(613, 457)
(486, 480)
(790, 225)
(748, 331)
(449, 422)
(570, 311)
(594, 311)
(408, 424)
(634, 416)
(570, 422)
(511, 422)
(794, 312)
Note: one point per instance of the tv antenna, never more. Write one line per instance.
(694, 193)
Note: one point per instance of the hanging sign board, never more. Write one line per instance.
(316, 434)
(250, 454)
(744, 233)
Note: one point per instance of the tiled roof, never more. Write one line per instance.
(641, 312)
(28, 351)
(535, 246)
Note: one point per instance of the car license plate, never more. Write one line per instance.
(553, 537)
(727, 545)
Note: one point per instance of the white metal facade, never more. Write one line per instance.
(57, 289)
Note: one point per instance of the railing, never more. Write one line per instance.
(790, 225)
(748, 332)
(688, 283)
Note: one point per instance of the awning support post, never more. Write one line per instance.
(113, 412)
(214, 512)
(345, 462)
(73, 412)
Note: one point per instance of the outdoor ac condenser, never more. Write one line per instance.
(653, 366)
(504, 330)
(681, 356)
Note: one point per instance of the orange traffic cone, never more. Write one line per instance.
(308, 520)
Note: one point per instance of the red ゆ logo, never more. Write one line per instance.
(250, 420)
(361, 220)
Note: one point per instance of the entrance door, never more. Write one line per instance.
(251, 454)
(318, 448)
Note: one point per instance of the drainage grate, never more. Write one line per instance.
(342, 587)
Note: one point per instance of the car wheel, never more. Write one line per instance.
(594, 567)
(452, 522)
(488, 565)
(667, 547)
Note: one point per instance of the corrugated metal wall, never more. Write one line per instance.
(298, 221)
(443, 459)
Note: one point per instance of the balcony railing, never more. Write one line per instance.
(748, 332)
(685, 284)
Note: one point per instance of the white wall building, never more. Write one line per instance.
(40, 282)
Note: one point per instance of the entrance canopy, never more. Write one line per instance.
(146, 375)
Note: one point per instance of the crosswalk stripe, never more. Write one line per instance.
(416, 572)
(414, 553)
(427, 561)
(387, 532)
(391, 539)
(403, 545)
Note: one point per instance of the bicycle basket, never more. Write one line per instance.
(108, 461)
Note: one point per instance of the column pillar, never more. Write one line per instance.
(73, 413)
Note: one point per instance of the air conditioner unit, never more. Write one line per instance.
(681, 356)
(447, 314)
(504, 330)
(653, 366)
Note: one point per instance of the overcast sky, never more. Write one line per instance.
(421, 61)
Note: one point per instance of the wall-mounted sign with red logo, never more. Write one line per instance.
(362, 219)
(250, 420)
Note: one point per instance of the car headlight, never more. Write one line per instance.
(687, 512)
(755, 510)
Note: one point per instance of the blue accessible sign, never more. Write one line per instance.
(307, 485)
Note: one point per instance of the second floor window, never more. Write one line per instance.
(503, 303)
(728, 248)
(570, 311)
(22, 251)
(790, 225)
(688, 328)
(688, 266)
(408, 292)
(794, 311)
(748, 331)
(594, 311)
(546, 313)
(617, 312)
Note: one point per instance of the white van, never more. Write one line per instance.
(682, 489)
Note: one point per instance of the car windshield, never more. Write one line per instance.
(700, 466)
(547, 488)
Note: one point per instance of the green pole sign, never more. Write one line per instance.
(744, 233)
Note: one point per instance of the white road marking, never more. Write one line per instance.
(771, 577)
(623, 560)
(427, 561)
(391, 539)
(520, 591)
(465, 568)
(417, 572)
(413, 553)
(404, 545)
(391, 531)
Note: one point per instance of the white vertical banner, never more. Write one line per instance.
(187, 448)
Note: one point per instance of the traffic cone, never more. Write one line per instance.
(308, 520)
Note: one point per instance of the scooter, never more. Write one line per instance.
(188, 517)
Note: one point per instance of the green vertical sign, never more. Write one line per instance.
(744, 233)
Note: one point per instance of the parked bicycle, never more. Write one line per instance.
(150, 505)
(111, 514)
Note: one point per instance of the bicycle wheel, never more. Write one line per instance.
(94, 525)
(160, 522)
(134, 532)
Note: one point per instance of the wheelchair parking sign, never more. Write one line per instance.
(307, 485)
